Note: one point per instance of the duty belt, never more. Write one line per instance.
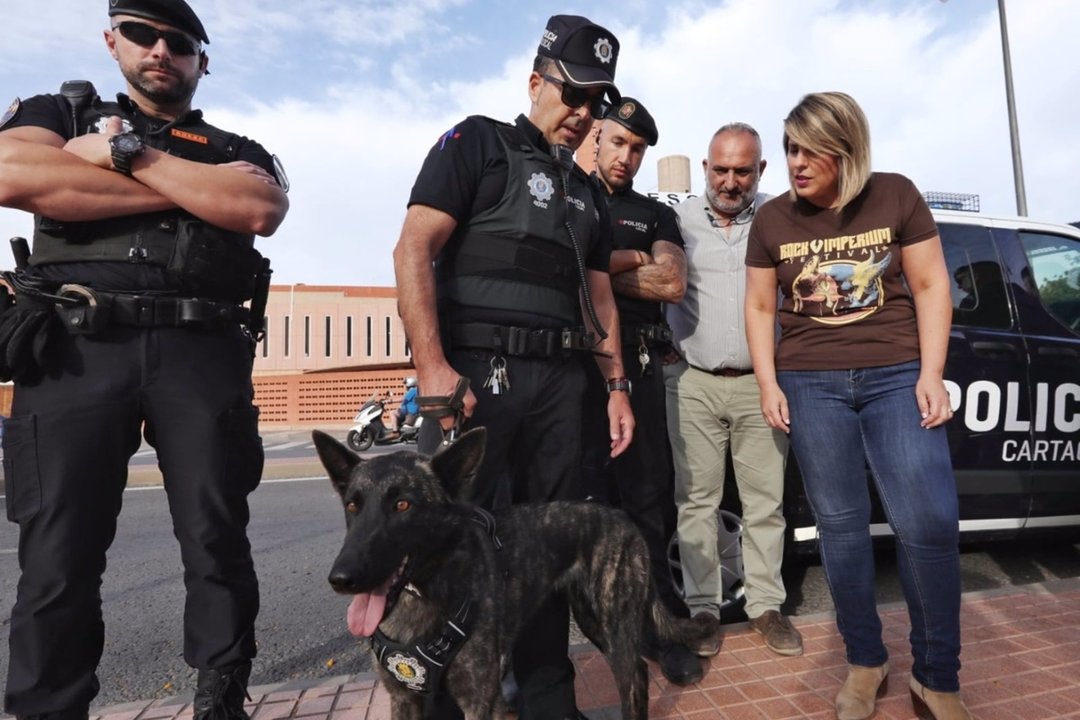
(648, 333)
(102, 309)
(520, 342)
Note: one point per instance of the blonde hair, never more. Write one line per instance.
(832, 123)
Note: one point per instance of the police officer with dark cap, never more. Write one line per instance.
(502, 276)
(648, 268)
(128, 317)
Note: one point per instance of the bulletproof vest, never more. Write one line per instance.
(519, 254)
(200, 258)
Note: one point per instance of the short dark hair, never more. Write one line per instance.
(543, 65)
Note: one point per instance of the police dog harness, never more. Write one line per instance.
(419, 666)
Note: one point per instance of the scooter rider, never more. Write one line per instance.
(409, 409)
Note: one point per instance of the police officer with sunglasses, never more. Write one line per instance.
(128, 317)
(502, 275)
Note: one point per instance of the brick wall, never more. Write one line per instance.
(312, 399)
(321, 398)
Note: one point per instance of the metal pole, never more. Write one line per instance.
(1014, 133)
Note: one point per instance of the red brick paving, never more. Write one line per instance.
(1021, 660)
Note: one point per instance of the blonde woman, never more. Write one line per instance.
(857, 381)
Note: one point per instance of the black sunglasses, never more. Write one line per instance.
(147, 36)
(575, 97)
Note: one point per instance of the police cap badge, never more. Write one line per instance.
(633, 116)
(585, 53)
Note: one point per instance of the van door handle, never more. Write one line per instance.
(994, 349)
(1056, 351)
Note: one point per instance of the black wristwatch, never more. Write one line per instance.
(125, 148)
(617, 384)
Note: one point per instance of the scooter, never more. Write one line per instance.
(368, 428)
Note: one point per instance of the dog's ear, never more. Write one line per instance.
(456, 465)
(336, 458)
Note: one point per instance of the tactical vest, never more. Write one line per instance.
(518, 255)
(200, 258)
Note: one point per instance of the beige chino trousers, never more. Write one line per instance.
(708, 415)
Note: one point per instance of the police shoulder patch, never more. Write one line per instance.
(11, 113)
(451, 134)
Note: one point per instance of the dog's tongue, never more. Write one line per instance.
(366, 611)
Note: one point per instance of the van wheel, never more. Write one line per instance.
(359, 441)
(729, 545)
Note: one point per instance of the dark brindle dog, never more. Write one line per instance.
(445, 588)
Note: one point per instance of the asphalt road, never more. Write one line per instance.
(295, 530)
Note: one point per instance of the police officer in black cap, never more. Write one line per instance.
(502, 275)
(648, 268)
(128, 316)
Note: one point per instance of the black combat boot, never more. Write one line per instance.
(220, 694)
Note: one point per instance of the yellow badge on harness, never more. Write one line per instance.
(10, 113)
(407, 670)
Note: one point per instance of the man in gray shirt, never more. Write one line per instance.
(712, 397)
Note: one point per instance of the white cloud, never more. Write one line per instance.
(352, 118)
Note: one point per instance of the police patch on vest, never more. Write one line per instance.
(184, 135)
(11, 112)
(542, 188)
(408, 670)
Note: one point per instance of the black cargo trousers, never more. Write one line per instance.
(66, 451)
(533, 454)
(641, 481)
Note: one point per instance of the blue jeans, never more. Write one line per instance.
(841, 422)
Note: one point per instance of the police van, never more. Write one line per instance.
(1013, 376)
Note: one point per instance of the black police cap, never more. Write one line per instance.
(633, 116)
(171, 12)
(585, 52)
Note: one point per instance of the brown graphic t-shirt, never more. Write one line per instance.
(845, 304)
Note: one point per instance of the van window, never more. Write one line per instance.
(978, 285)
(1055, 268)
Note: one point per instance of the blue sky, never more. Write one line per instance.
(352, 93)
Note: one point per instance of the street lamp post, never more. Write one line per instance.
(1014, 133)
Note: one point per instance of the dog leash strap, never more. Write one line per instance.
(437, 407)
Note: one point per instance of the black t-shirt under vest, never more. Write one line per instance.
(639, 221)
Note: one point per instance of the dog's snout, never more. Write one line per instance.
(340, 580)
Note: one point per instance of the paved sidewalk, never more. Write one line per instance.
(1021, 659)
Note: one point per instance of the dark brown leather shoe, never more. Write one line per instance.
(679, 665)
(780, 635)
